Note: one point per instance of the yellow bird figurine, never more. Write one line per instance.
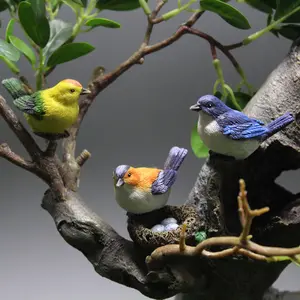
(49, 112)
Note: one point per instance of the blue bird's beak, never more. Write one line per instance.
(195, 107)
(120, 182)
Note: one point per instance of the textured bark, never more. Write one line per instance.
(271, 294)
(214, 194)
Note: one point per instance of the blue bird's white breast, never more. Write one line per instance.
(211, 134)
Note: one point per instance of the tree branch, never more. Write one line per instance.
(17, 127)
(83, 157)
(112, 256)
(14, 158)
(103, 81)
(44, 165)
(215, 44)
(240, 245)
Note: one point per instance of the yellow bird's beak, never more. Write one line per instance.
(85, 91)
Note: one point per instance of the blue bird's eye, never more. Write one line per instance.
(209, 105)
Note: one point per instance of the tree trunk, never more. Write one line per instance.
(271, 294)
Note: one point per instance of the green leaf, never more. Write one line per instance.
(9, 29)
(289, 31)
(60, 32)
(3, 5)
(38, 33)
(69, 52)
(258, 4)
(218, 94)
(82, 3)
(294, 18)
(54, 4)
(38, 7)
(227, 12)
(270, 3)
(102, 22)
(241, 98)
(24, 48)
(198, 147)
(9, 51)
(118, 5)
(284, 7)
(74, 6)
(12, 66)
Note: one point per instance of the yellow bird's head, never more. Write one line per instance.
(68, 91)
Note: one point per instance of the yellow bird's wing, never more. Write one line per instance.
(31, 105)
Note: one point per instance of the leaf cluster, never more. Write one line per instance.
(50, 40)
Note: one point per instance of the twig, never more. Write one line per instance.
(103, 81)
(215, 44)
(182, 244)
(17, 127)
(14, 158)
(27, 85)
(83, 157)
(247, 213)
(51, 149)
(234, 46)
(45, 166)
(159, 6)
(239, 245)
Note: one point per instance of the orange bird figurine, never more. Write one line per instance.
(141, 190)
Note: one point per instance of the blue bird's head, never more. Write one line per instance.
(119, 174)
(210, 105)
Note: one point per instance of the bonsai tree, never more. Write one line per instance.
(236, 251)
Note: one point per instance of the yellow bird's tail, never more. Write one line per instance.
(15, 87)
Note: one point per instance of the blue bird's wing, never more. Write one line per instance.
(238, 126)
(164, 181)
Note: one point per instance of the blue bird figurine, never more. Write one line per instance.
(229, 132)
(141, 190)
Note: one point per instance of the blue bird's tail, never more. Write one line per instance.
(175, 158)
(279, 124)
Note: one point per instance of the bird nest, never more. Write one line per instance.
(139, 226)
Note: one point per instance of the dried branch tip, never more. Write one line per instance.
(182, 244)
(83, 157)
(237, 245)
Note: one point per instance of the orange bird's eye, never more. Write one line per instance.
(129, 174)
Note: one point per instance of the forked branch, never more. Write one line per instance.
(103, 81)
(239, 245)
(14, 158)
(19, 130)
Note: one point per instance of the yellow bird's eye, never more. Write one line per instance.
(72, 90)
